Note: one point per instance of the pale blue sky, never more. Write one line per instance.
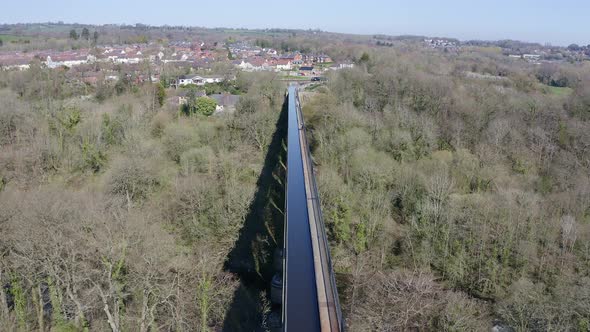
(558, 22)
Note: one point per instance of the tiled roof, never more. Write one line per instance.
(226, 99)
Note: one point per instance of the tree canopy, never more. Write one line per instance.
(206, 105)
(85, 34)
(74, 35)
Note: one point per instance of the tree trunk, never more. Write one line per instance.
(38, 298)
(112, 318)
(143, 327)
(80, 320)
(113, 322)
(3, 306)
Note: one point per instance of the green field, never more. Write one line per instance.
(15, 39)
(324, 65)
(296, 78)
(559, 91)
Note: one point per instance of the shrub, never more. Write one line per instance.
(201, 105)
(92, 157)
(132, 178)
(10, 121)
(112, 130)
(206, 105)
(372, 169)
(159, 123)
(197, 160)
(179, 138)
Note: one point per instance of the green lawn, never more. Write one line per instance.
(324, 64)
(15, 39)
(296, 78)
(559, 91)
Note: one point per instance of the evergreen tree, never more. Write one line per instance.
(160, 94)
(85, 34)
(74, 35)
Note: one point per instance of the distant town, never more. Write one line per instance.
(189, 58)
(196, 56)
(533, 53)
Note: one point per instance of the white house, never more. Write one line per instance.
(187, 80)
(22, 66)
(254, 66)
(212, 80)
(197, 80)
(70, 61)
(245, 65)
(284, 65)
(531, 56)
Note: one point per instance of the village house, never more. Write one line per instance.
(440, 43)
(126, 55)
(316, 58)
(212, 79)
(346, 65)
(283, 64)
(246, 66)
(323, 59)
(256, 63)
(69, 59)
(295, 58)
(531, 56)
(15, 60)
(306, 70)
(181, 98)
(185, 80)
(178, 57)
(225, 102)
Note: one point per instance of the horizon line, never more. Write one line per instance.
(543, 44)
